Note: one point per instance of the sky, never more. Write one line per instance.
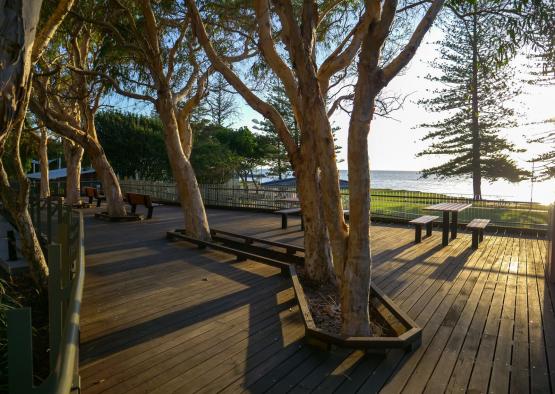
(393, 143)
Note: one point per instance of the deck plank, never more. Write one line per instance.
(162, 317)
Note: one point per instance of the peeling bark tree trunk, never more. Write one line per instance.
(18, 23)
(73, 154)
(105, 172)
(355, 284)
(43, 160)
(196, 222)
(318, 257)
(16, 202)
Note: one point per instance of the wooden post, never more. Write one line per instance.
(445, 239)
(475, 239)
(60, 210)
(418, 234)
(54, 301)
(454, 222)
(38, 218)
(12, 249)
(550, 264)
(49, 219)
(20, 351)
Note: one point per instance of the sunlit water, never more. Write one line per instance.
(543, 192)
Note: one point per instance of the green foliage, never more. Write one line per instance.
(220, 105)
(134, 144)
(469, 46)
(279, 162)
(546, 160)
(220, 152)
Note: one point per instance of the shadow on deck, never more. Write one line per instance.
(165, 317)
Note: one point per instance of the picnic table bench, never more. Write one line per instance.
(297, 211)
(135, 199)
(92, 193)
(448, 208)
(423, 221)
(477, 226)
(289, 211)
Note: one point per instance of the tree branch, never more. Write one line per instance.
(340, 57)
(254, 101)
(397, 64)
(266, 45)
(44, 36)
(114, 84)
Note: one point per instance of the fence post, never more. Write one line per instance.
(20, 351)
(54, 301)
(550, 263)
(38, 223)
(60, 210)
(12, 249)
(49, 219)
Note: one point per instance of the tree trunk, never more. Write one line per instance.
(43, 160)
(196, 222)
(318, 256)
(317, 125)
(476, 143)
(18, 27)
(73, 154)
(355, 284)
(16, 201)
(109, 180)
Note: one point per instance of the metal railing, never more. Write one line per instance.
(392, 204)
(61, 230)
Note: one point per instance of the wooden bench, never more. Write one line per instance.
(135, 199)
(421, 221)
(477, 226)
(289, 211)
(293, 211)
(92, 193)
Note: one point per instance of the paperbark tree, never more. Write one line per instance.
(307, 82)
(44, 164)
(71, 97)
(21, 45)
(162, 66)
(73, 153)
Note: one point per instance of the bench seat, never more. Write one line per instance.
(135, 199)
(477, 226)
(92, 193)
(289, 211)
(423, 221)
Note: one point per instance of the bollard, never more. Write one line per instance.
(12, 251)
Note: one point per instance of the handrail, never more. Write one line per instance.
(66, 281)
(69, 350)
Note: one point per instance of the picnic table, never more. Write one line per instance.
(449, 208)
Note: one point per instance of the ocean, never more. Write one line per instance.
(543, 192)
(525, 191)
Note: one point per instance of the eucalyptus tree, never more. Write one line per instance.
(68, 95)
(475, 95)
(160, 63)
(41, 138)
(73, 155)
(22, 42)
(308, 46)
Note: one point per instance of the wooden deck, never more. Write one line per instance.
(160, 317)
